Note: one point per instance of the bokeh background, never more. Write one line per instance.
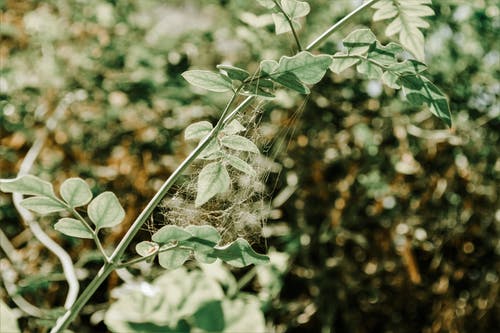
(385, 221)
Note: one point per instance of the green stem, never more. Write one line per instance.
(64, 321)
(339, 24)
(92, 231)
(290, 23)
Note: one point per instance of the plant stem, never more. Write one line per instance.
(92, 231)
(64, 321)
(339, 24)
(290, 23)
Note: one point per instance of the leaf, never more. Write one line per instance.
(75, 192)
(234, 73)
(359, 41)
(208, 80)
(174, 258)
(43, 205)
(105, 210)
(198, 130)
(295, 9)
(204, 239)
(238, 142)
(209, 317)
(210, 150)
(28, 185)
(240, 254)
(146, 248)
(407, 20)
(418, 90)
(233, 127)
(291, 81)
(372, 71)
(240, 165)
(72, 227)
(170, 233)
(340, 64)
(308, 68)
(213, 179)
(281, 24)
(267, 3)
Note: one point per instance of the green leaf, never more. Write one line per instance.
(43, 205)
(291, 81)
(391, 80)
(105, 210)
(308, 68)
(408, 66)
(145, 248)
(359, 41)
(372, 71)
(418, 90)
(240, 165)
(209, 317)
(269, 66)
(210, 150)
(295, 9)
(198, 130)
(174, 258)
(204, 239)
(240, 254)
(281, 24)
(234, 73)
(267, 3)
(76, 192)
(213, 179)
(233, 127)
(170, 233)
(72, 227)
(237, 142)
(208, 80)
(340, 64)
(28, 185)
(407, 20)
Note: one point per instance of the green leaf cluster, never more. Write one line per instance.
(185, 301)
(175, 245)
(407, 21)
(381, 62)
(214, 177)
(104, 211)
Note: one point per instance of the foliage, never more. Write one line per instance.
(387, 220)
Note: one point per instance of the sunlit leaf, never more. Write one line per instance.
(146, 248)
(308, 68)
(240, 254)
(340, 64)
(233, 127)
(72, 227)
(240, 165)
(170, 233)
(213, 179)
(174, 258)
(239, 142)
(197, 130)
(28, 185)
(43, 205)
(105, 210)
(76, 192)
(208, 80)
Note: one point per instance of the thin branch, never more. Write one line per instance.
(290, 23)
(339, 24)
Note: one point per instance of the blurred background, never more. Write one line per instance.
(382, 220)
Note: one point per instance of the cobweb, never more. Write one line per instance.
(244, 208)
